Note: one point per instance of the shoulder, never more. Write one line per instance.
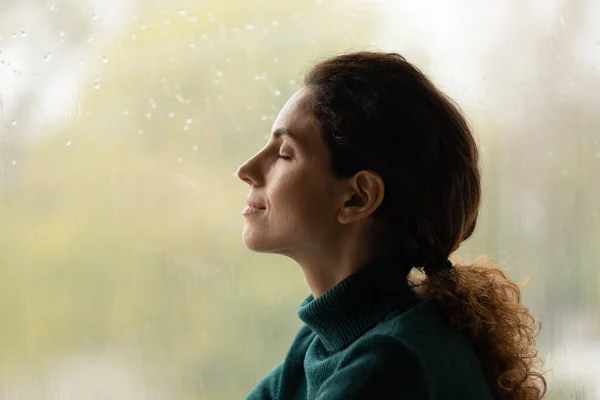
(378, 364)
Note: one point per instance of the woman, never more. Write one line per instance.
(370, 172)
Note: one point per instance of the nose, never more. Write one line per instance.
(246, 173)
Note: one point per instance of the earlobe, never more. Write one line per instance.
(365, 194)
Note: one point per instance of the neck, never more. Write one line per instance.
(323, 271)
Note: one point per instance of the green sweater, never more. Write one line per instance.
(371, 337)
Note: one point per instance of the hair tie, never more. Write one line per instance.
(438, 266)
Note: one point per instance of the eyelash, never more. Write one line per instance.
(286, 158)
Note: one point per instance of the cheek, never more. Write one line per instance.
(304, 197)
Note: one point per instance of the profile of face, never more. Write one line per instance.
(295, 198)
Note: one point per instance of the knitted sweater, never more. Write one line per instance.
(371, 337)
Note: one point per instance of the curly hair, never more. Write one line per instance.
(377, 111)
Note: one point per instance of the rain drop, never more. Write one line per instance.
(219, 73)
(192, 46)
(275, 23)
(216, 81)
(47, 56)
(195, 148)
(104, 60)
(127, 113)
(148, 115)
(249, 27)
(14, 123)
(133, 36)
(277, 92)
(171, 114)
(186, 128)
(143, 26)
(14, 35)
(167, 22)
(140, 132)
(275, 60)
(90, 39)
(81, 62)
(263, 117)
(598, 154)
(188, 121)
(292, 82)
(14, 162)
(97, 85)
(61, 34)
(180, 160)
(183, 12)
(94, 16)
(228, 60)
(68, 143)
(23, 33)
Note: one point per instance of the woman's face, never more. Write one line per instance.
(291, 182)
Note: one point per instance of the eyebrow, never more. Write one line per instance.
(277, 133)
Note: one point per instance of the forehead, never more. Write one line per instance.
(296, 116)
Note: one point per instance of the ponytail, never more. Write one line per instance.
(485, 306)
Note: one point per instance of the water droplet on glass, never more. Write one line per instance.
(61, 34)
(14, 123)
(219, 73)
(171, 114)
(180, 160)
(34, 76)
(275, 60)
(167, 22)
(134, 16)
(111, 6)
(183, 12)
(14, 162)
(263, 117)
(249, 27)
(68, 143)
(148, 115)
(216, 81)
(228, 60)
(14, 35)
(275, 23)
(277, 92)
(195, 148)
(598, 154)
(47, 56)
(127, 113)
(81, 62)
(104, 60)
(143, 26)
(90, 39)
(23, 33)
(192, 46)
(94, 16)
(88, 112)
(186, 127)
(483, 148)
(292, 82)
(133, 36)
(97, 85)
(140, 132)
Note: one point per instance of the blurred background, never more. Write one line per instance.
(122, 270)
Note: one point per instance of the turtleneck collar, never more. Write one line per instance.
(357, 303)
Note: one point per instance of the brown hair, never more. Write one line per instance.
(377, 111)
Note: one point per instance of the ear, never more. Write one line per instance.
(362, 197)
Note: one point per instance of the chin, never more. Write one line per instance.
(259, 242)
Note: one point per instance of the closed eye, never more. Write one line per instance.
(284, 157)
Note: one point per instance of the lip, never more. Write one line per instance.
(252, 210)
